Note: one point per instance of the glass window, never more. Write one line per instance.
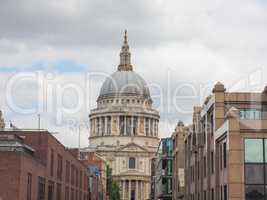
(108, 125)
(254, 192)
(250, 114)
(121, 125)
(253, 150)
(254, 174)
(135, 125)
(146, 126)
(128, 125)
(131, 163)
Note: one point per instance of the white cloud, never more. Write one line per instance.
(187, 42)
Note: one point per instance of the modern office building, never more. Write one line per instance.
(35, 165)
(162, 180)
(226, 149)
(124, 128)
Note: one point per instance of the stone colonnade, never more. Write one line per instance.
(124, 125)
(134, 190)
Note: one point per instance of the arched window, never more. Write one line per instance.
(131, 163)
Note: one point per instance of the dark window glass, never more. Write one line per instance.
(254, 174)
(254, 150)
(59, 166)
(131, 163)
(41, 188)
(146, 126)
(102, 126)
(58, 191)
(128, 125)
(122, 125)
(254, 192)
(225, 192)
(224, 155)
(50, 190)
(67, 193)
(212, 162)
(108, 125)
(29, 186)
(52, 163)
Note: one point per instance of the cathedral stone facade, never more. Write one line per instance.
(124, 128)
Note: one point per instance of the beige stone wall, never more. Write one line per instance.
(141, 126)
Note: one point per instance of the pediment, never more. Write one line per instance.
(132, 147)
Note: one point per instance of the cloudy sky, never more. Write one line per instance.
(54, 56)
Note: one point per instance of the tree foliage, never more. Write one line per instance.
(113, 189)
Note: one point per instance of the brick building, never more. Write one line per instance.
(225, 151)
(34, 165)
(97, 167)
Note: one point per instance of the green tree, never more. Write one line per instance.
(113, 189)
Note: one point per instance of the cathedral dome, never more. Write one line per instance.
(125, 82)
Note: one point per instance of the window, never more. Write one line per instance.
(155, 128)
(135, 125)
(59, 166)
(72, 174)
(212, 194)
(128, 125)
(250, 114)
(77, 177)
(97, 126)
(67, 193)
(146, 126)
(67, 171)
(29, 186)
(58, 191)
(121, 122)
(50, 190)
(253, 150)
(224, 155)
(211, 125)
(41, 188)
(72, 194)
(102, 126)
(52, 163)
(212, 162)
(108, 125)
(254, 192)
(131, 163)
(254, 174)
(204, 164)
(225, 192)
(81, 179)
(151, 127)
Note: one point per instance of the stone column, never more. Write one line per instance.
(136, 190)
(143, 191)
(132, 125)
(129, 189)
(123, 189)
(125, 125)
